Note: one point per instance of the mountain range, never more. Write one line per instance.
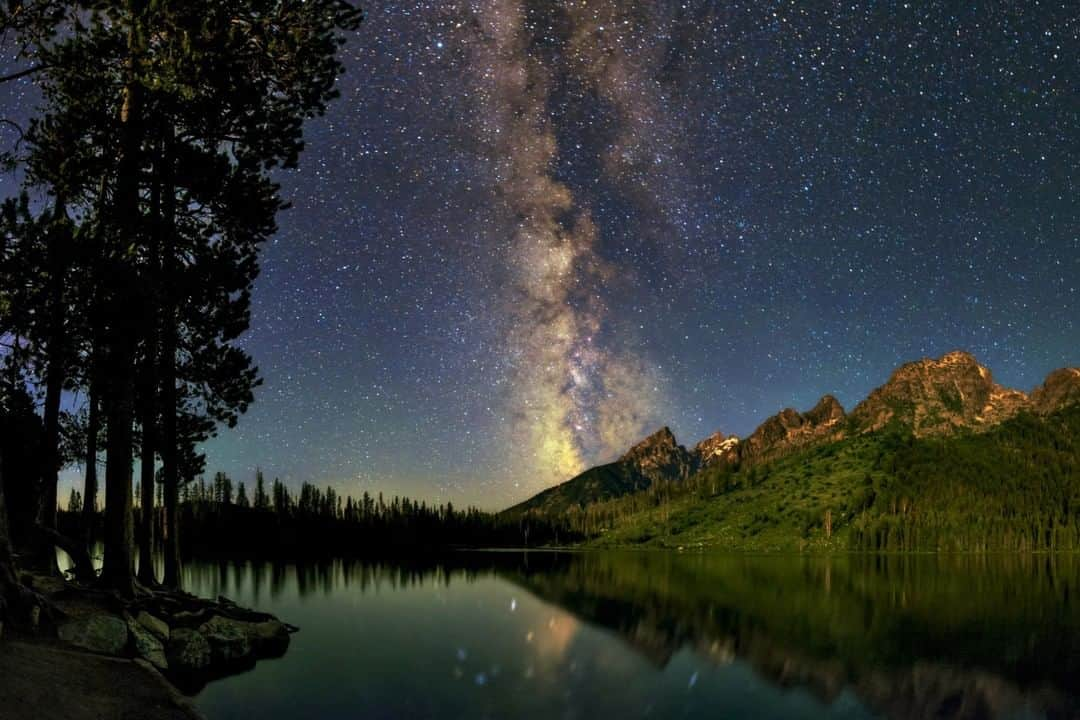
(950, 396)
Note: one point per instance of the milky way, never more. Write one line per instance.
(530, 232)
(574, 397)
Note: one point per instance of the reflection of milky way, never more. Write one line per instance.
(552, 639)
(574, 398)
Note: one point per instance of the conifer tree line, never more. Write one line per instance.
(127, 264)
(266, 519)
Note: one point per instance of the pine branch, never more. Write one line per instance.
(21, 73)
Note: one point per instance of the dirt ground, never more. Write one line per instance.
(42, 682)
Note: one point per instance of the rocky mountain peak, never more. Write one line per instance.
(938, 397)
(790, 429)
(717, 449)
(958, 357)
(827, 411)
(954, 364)
(660, 457)
(1061, 388)
(662, 439)
(709, 444)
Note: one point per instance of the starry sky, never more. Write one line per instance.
(532, 231)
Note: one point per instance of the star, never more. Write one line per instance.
(527, 234)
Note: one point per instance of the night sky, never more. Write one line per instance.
(529, 233)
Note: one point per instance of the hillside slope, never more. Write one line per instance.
(1016, 487)
(657, 458)
(604, 482)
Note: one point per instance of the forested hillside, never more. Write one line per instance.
(1016, 487)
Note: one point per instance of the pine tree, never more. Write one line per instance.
(9, 585)
(154, 110)
(74, 502)
(261, 129)
(90, 483)
(262, 502)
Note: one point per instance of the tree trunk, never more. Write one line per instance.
(7, 586)
(80, 556)
(146, 514)
(45, 554)
(172, 576)
(9, 582)
(119, 563)
(90, 486)
(118, 569)
(44, 559)
(7, 561)
(93, 429)
(170, 470)
(149, 381)
(54, 385)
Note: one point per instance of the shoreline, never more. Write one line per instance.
(86, 653)
(43, 680)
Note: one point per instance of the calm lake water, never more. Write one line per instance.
(627, 635)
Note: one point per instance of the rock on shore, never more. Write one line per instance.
(189, 639)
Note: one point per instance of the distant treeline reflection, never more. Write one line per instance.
(222, 576)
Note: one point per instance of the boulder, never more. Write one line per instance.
(153, 625)
(187, 619)
(229, 640)
(189, 651)
(100, 633)
(268, 639)
(147, 645)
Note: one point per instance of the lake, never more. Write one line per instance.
(627, 635)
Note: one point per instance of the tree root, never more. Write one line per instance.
(188, 610)
(26, 607)
(84, 566)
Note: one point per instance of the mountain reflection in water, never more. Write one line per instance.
(848, 636)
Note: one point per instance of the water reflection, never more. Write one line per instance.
(911, 636)
(250, 579)
(556, 635)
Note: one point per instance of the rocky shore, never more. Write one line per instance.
(86, 643)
